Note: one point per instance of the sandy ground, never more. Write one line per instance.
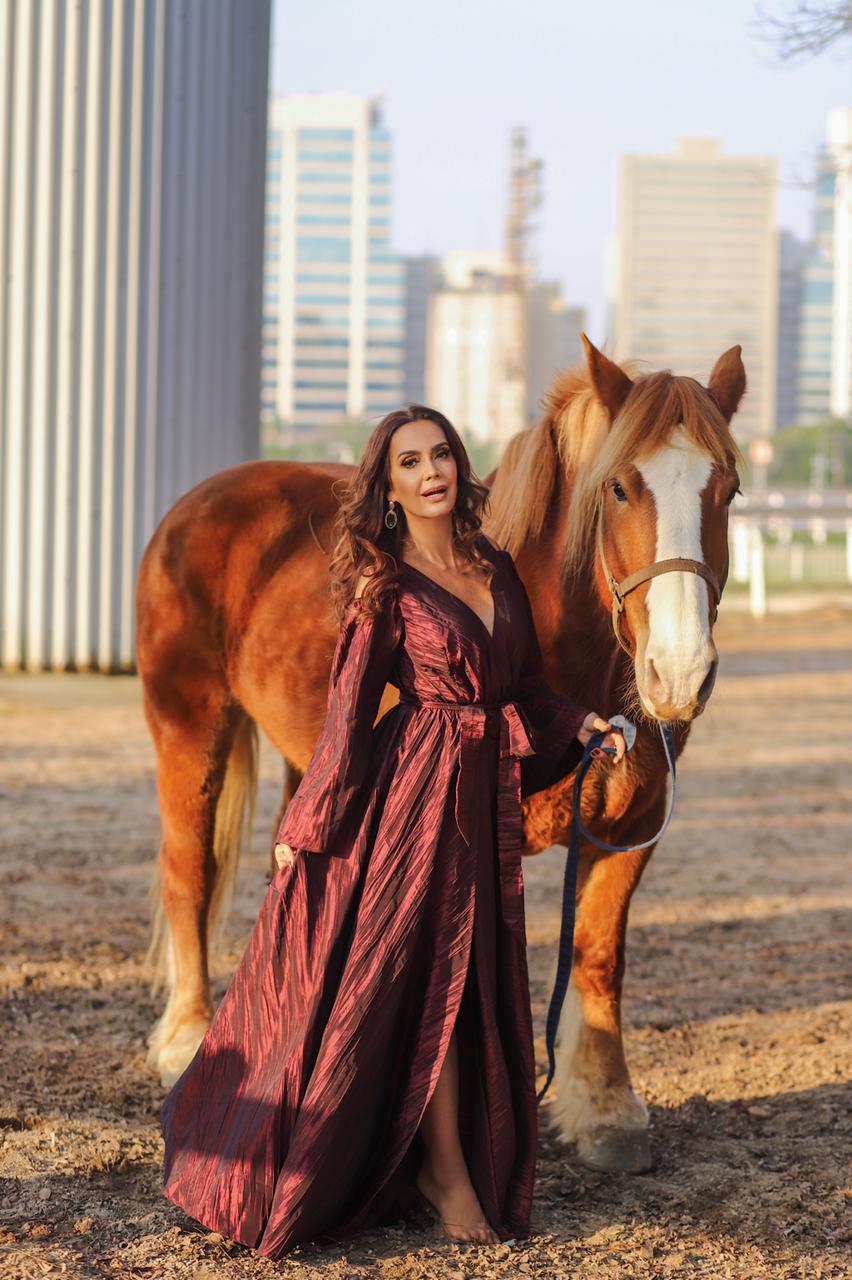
(737, 1000)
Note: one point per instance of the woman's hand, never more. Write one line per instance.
(615, 738)
(284, 855)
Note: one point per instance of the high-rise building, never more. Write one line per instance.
(825, 351)
(813, 370)
(422, 277)
(698, 267)
(475, 359)
(132, 140)
(791, 261)
(839, 140)
(553, 340)
(334, 335)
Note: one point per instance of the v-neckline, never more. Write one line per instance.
(464, 604)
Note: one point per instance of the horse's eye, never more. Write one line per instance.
(619, 491)
(732, 495)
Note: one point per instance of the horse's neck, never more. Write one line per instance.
(573, 624)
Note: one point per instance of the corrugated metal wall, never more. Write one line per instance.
(132, 154)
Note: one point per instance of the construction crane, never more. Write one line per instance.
(525, 174)
(524, 198)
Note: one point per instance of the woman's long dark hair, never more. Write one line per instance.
(362, 542)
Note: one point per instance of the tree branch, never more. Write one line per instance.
(807, 30)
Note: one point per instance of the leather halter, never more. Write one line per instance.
(618, 590)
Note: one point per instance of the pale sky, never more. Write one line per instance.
(590, 81)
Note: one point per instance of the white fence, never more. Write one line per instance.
(790, 551)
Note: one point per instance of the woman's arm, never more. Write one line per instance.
(561, 727)
(362, 663)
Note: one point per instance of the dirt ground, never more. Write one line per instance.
(737, 999)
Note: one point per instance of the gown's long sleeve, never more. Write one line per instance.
(361, 667)
(553, 717)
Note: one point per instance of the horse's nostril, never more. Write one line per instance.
(655, 684)
(708, 683)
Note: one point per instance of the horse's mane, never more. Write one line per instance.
(574, 437)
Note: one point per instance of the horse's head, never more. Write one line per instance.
(663, 476)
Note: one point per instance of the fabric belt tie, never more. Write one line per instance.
(515, 743)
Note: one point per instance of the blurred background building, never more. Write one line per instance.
(824, 365)
(815, 329)
(698, 267)
(334, 290)
(552, 340)
(422, 279)
(132, 142)
(494, 348)
(475, 349)
(792, 256)
(482, 369)
(839, 143)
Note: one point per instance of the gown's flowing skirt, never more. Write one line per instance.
(298, 1117)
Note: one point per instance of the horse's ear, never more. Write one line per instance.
(728, 381)
(612, 385)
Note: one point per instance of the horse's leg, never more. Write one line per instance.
(596, 1106)
(193, 752)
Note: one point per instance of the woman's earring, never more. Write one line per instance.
(391, 516)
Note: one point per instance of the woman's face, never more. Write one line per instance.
(423, 472)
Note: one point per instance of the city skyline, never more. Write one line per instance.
(696, 265)
(599, 85)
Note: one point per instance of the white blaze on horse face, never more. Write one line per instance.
(679, 651)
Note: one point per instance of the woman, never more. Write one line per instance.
(376, 1040)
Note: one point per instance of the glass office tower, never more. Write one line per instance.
(333, 286)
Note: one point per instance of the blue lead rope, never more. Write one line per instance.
(572, 867)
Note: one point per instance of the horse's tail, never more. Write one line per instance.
(233, 826)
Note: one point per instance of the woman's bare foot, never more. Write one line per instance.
(457, 1205)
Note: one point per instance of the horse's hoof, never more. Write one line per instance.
(615, 1150)
(171, 1059)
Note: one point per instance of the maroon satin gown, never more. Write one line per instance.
(401, 917)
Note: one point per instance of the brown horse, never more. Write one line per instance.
(234, 630)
